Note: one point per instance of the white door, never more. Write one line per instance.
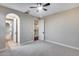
(41, 29)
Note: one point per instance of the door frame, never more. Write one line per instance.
(15, 16)
(38, 23)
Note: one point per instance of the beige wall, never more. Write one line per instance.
(63, 27)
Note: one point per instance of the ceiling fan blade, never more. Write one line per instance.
(47, 4)
(44, 9)
(33, 7)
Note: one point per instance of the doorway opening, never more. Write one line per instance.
(39, 29)
(36, 29)
(12, 23)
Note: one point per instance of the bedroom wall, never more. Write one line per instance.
(63, 27)
(26, 25)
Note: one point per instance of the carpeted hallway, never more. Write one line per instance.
(41, 48)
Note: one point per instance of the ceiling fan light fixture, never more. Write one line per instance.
(40, 8)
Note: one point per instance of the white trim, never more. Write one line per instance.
(27, 42)
(65, 45)
(18, 31)
(13, 16)
(2, 50)
(33, 29)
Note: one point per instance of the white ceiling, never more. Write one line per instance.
(52, 9)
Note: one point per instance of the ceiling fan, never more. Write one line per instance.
(41, 6)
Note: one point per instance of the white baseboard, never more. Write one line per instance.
(65, 45)
(27, 42)
(2, 50)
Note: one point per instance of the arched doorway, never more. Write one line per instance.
(12, 30)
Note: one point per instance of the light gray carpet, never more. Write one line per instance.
(41, 48)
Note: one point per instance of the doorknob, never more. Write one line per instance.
(43, 32)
